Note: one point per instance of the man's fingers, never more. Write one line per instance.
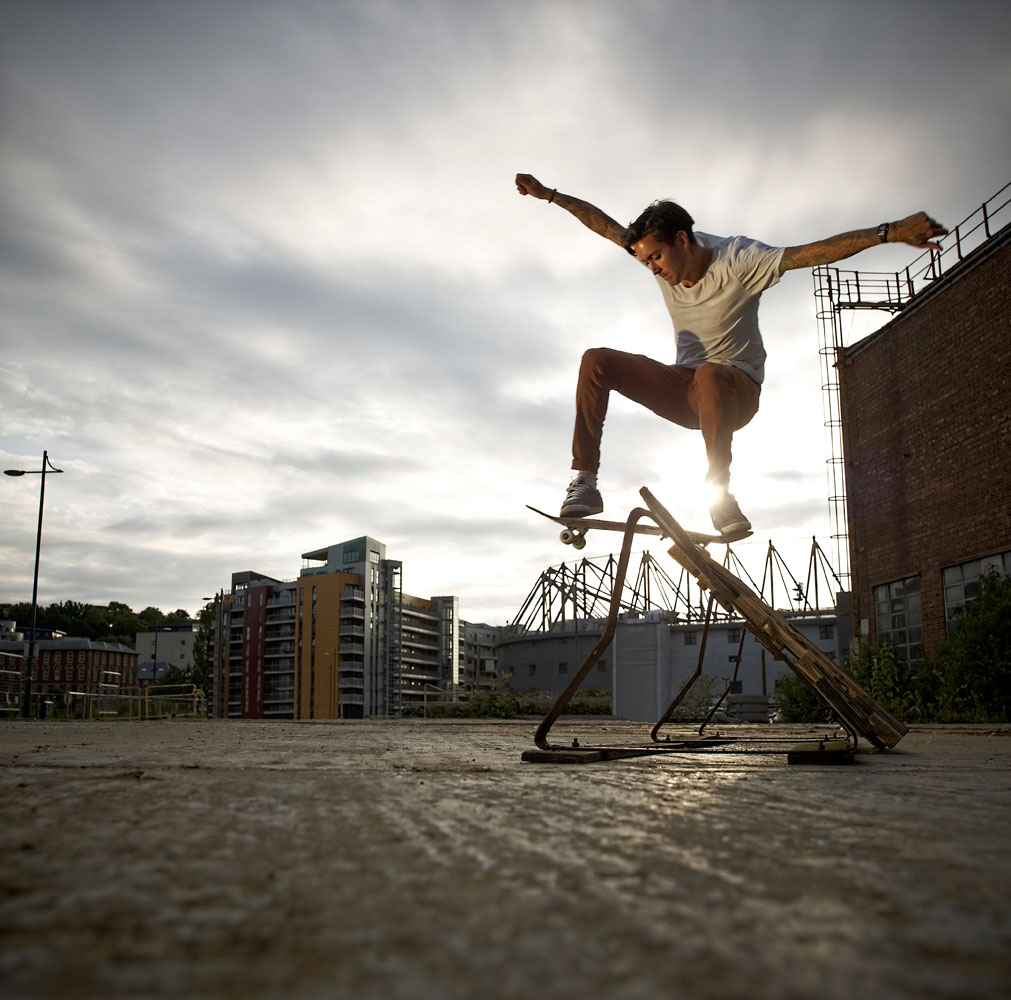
(527, 184)
(920, 231)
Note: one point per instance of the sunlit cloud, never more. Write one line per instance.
(267, 283)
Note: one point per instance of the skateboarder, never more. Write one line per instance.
(711, 286)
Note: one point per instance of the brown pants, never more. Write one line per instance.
(718, 399)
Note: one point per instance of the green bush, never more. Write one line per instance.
(968, 680)
(797, 702)
(972, 670)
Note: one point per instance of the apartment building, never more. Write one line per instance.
(341, 641)
(480, 654)
(254, 649)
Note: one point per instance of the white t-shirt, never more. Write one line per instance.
(716, 319)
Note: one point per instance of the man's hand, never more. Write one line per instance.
(528, 184)
(589, 215)
(917, 230)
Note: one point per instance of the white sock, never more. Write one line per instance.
(590, 478)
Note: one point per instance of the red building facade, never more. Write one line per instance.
(926, 428)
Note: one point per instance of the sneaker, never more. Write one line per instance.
(727, 516)
(581, 500)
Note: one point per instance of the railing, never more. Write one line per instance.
(891, 291)
(10, 691)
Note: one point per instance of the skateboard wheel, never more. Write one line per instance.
(567, 536)
(579, 542)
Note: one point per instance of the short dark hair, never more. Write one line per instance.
(663, 220)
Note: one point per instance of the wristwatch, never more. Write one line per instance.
(883, 232)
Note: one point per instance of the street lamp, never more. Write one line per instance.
(47, 466)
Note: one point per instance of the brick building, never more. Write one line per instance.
(926, 428)
(79, 667)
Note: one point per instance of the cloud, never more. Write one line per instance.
(267, 283)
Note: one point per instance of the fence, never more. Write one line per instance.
(106, 702)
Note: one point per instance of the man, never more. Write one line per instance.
(711, 286)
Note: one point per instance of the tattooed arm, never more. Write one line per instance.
(917, 230)
(589, 215)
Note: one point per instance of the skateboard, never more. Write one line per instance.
(574, 530)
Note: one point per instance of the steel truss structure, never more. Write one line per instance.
(584, 590)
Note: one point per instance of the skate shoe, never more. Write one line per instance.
(727, 516)
(581, 500)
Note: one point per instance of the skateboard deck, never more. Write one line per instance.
(575, 529)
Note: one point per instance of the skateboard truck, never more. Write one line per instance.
(855, 710)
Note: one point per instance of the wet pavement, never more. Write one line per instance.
(424, 860)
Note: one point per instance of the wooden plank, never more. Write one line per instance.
(839, 691)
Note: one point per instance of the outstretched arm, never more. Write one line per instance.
(589, 215)
(917, 230)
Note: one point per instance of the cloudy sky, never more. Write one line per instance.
(267, 283)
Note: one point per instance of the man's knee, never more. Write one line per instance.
(597, 363)
(596, 357)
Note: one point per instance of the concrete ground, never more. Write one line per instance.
(424, 860)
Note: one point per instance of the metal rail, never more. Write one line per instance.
(855, 710)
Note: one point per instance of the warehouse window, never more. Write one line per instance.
(961, 582)
(899, 617)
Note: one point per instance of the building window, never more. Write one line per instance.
(961, 583)
(899, 617)
(532, 669)
(563, 668)
(826, 632)
(691, 638)
(733, 635)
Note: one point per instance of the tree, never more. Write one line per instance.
(203, 671)
(150, 617)
(115, 623)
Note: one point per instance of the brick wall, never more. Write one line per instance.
(927, 436)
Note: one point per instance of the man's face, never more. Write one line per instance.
(668, 260)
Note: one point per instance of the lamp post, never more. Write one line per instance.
(154, 656)
(26, 690)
